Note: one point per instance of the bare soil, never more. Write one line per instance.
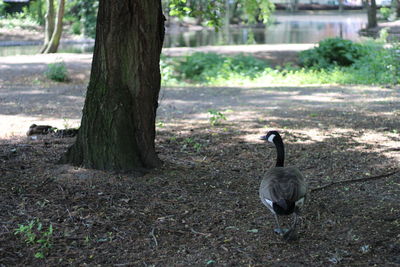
(201, 207)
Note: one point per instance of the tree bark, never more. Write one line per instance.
(52, 45)
(372, 10)
(49, 24)
(341, 6)
(118, 125)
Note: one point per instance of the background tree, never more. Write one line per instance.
(49, 23)
(82, 15)
(54, 26)
(371, 12)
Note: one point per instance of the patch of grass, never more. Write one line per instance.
(34, 234)
(57, 72)
(337, 62)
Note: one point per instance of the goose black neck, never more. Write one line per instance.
(280, 151)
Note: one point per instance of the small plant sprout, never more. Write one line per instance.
(36, 236)
(190, 142)
(160, 124)
(66, 123)
(216, 117)
(197, 147)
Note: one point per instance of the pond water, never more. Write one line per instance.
(305, 27)
(287, 29)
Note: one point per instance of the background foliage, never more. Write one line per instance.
(334, 61)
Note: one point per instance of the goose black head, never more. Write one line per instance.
(283, 207)
(271, 135)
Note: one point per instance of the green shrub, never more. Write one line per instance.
(57, 72)
(2, 8)
(372, 64)
(246, 65)
(83, 13)
(385, 13)
(206, 67)
(35, 11)
(332, 52)
(199, 66)
(379, 65)
(76, 28)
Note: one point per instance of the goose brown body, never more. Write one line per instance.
(285, 183)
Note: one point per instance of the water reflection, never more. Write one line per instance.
(34, 49)
(298, 28)
(288, 28)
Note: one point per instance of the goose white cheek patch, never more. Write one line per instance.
(271, 138)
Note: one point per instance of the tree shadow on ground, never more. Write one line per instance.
(202, 206)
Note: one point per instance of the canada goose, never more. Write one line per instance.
(283, 189)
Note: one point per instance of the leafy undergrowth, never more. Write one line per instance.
(333, 61)
(202, 206)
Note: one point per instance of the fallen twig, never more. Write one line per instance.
(154, 237)
(354, 180)
(199, 233)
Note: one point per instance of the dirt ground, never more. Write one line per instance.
(201, 207)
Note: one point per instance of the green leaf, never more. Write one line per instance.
(39, 255)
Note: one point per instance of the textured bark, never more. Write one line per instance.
(118, 125)
(372, 10)
(52, 45)
(50, 23)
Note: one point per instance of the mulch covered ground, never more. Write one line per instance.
(202, 206)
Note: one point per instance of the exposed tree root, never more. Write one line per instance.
(354, 180)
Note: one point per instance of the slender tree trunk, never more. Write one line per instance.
(396, 9)
(52, 45)
(118, 125)
(40, 11)
(49, 24)
(341, 5)
(372, 10)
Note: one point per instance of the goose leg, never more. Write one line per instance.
(293, 227)
(291, 232)
(279, 229)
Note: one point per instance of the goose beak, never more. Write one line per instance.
(264, 138)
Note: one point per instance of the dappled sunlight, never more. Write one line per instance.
(208, 139)
(386, 143)
(9, 61)
(324, 97)
(17, 125)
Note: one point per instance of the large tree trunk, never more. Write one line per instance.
(51, 46)
(118, 125)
